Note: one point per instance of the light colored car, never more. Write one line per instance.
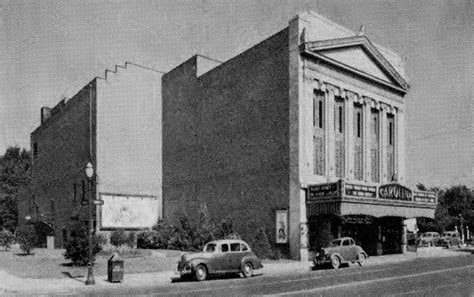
(340, 251)
(450, 238)
(219, 257)
(429, 238)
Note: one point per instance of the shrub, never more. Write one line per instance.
(118, 237)
(148, 240)
(77, 247)
(26, 237)
(227, 229)
(260, 244)
(6, 239)
(131, 239)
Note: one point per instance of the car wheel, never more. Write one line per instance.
(335, 262)
(247, 270)
(200, 273)
(361, 259)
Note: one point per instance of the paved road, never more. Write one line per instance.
(452, 276)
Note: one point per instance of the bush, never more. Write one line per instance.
(118, 237)
(77, 247)
(261, 246)
(131, 239)
(26, 237)
(6, 239)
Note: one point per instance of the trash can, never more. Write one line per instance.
(115, 268)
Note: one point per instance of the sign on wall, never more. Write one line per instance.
(281, 225)
(395, 192)
(120, 211)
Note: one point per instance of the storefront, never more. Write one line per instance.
(372, 215)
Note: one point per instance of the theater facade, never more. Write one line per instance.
(347, 131)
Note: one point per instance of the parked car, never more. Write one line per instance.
(340, 250)
(219, 257)
(450, 238)
(429, 238)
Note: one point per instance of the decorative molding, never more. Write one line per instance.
(315, 46)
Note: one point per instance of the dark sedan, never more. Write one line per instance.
(219, 257)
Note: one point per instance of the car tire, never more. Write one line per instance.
(335, 262)
(247, 270)
(361, 259)
(200, 273)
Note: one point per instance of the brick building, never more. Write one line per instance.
(114, 122)
(302, 134)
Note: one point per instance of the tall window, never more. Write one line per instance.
(358, 142)
(374, 145)
(318, 133)
(339, 120)
(390, 147)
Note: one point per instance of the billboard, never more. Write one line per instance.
(128, 211)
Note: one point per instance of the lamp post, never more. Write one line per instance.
(462, 229)
(90, 275)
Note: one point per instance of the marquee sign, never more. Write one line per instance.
(323, 191)
(361, 191)
(395, 192)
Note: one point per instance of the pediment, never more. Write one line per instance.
(358, 55)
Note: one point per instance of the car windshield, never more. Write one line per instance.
(210, 248)
(336, 242)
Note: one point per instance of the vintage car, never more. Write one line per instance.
(340, 251)
(429, 239)
(450, 238)
(219, 257)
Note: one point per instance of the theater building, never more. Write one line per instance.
(303, 133)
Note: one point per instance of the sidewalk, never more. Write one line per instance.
(11, 285)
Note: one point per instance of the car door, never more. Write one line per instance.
(345, 250)
(235, 256)
(220, 261)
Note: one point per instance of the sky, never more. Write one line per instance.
(51, 49)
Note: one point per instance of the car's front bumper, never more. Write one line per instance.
(183, 269)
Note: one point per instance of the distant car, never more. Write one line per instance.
(340, 251)
(429, 238)
(219, 257)
(450, 238)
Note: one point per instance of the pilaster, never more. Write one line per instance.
(330, 143)
(350, 135)
(366, 134)
(383, 143)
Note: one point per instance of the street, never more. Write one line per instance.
(422, 277)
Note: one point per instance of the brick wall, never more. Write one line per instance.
(225, 137)
(62, 151)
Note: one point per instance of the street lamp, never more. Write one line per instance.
(462, 230)
(90, 275)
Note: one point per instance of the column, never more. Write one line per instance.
(330, 145)
(396, 145)
(404, 237)
(303, 227)
(366, 134)
(350, 136)
(383, 143)
(400, 148)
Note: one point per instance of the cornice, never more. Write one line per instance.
(313, 47)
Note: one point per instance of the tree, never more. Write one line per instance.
(77, 247)
(26, 237)
(15, 167)
(6, 239)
